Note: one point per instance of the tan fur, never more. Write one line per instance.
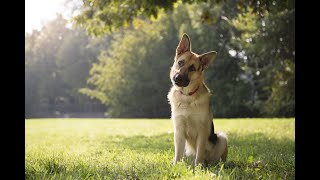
(191, 114)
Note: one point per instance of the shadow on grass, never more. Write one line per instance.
(251, 156)
(258, 154)
(252, 151)
(153, 144)
(260, 145)
(255, 144)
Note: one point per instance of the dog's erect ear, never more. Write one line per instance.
(207, 58)
(184, 45)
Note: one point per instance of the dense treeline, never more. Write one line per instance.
(57, 64)
(126, 66)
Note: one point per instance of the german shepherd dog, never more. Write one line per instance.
(189, 98)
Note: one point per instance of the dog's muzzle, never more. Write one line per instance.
(181, 81)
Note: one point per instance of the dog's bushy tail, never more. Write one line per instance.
(222, 135)
(223, 139)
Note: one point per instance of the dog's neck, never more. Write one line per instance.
(189, 91)
(192, 92)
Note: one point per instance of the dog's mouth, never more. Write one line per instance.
(182, 84)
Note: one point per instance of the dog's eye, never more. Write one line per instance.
(192, 68)
(181, 63)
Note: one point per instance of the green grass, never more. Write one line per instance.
(144, 149)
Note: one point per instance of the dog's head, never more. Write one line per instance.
(188, 67)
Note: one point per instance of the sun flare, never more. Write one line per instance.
(38, 12)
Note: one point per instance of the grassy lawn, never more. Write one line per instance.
(144, 149)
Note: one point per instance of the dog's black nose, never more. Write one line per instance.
(178, 78)
(181, 80)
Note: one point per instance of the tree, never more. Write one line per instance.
(253, 74)
(129, 77)
(267, 39)
(104, 16)
(57, 64)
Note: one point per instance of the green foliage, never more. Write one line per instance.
(104, 16)
(144, 149)
(267, 40)
(128, 70)
(132, 77)
(57, 64)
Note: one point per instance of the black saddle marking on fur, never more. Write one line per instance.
(213, 137)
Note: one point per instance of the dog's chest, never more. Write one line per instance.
(192, 120)
(189, 105)
(191, 112)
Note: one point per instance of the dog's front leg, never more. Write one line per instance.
(179, 145)
(201, 148)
